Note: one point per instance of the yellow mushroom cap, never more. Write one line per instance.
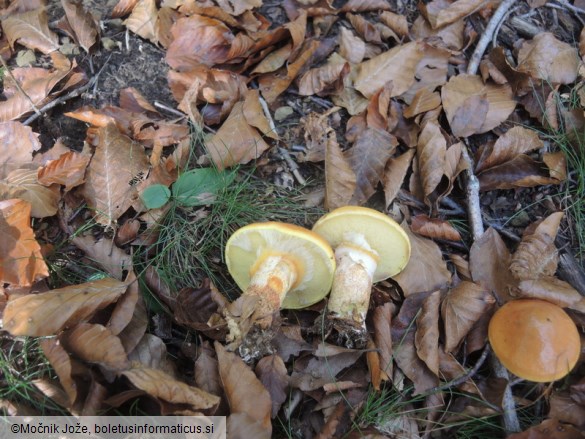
(382, 233)
(309, 253)
(535, 339)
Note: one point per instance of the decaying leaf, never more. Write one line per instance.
(440, 13)
(394, 174)
(426, 339)
(82, 23)
(48, 313)
(24, 184)
(103, 251)
(340, 179)
(460, 309)
(549, 429)
(20, 253)
(383, 337)
(31, 29)
(272, 372)
(68, 170)
(552, 290)
(116, 167)
(434, 228)
(143, 20)
(151, 352)
(26, 141)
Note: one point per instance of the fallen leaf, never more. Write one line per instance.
(547, 58)
(325, 79)
(426, 338)
(367, 158)
(565, 409)
(123, 7)
(111, 176)
(383, 336)
(465, 96)
(398, 23)
(440, 13)
(352, 48)
(549, 429)
(434, 228)
(552, 290)
(114, 260)
(82, 23)
(365, 29)
(22, 262)
(11, 157)
(314, 372)
(394, 174)
(426, 270)
(48, 313)
(206, 370)
(95, 344)
(460, 309)
(68, 170)
(243, 426)
(340, 179)
(134, 331)
(239, 383)
(31, 29)
(162, 386)
(451, 37)
(143, 20)
(271, 371)
(424, 100)
(127, 307)
(151, 352)
(24, 184)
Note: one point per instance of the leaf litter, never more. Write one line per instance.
(379, 97)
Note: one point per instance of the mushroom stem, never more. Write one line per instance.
(270, 282)
(352, 284)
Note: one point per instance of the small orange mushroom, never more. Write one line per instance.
(535, 339)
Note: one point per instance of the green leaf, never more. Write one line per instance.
(155, 196)
(200, 186)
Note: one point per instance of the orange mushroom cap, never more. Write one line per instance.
(535, 339)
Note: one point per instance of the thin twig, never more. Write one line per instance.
(168, 109)
(20, 90)
(570, 7)
(487, 36)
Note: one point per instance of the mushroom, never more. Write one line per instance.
(276, 266)
(534, 339)
(369, 247)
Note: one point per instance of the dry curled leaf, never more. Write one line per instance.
(68, 170)
(103, 251)
(20, 253)
(440, 13)
(340, 179)
(17, 144)
(82, 23)
(434, 228)
(383, 336)
(271, 371)
(24, 184)
(394, 174)
(460, 309)
(31, 29)
(552, 290)
(48, 313)
(426, 338)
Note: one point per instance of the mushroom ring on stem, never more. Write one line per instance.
(535, 339)
(276, 266)
(369, 247)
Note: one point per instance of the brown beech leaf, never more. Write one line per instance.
(440, 13)
(103, 251)
(367, 158)
(566, 409)
(163, 386)
(82, 23)
(325, 79)
(151, 352)
(461, 308)
(134, 331)
(198, 40)
(236, 141)
(123, 7)
(48, 313)
(17, 144)
(545, 57)
(240, 384)
(489, 262)
(365, 29)
(143, 20)
(521, 171)
(383, 336)
(340, 179)
(426, 270)
(426, 338)
(394, 174)
(552, 290)
(24, 184)
(365, 5)
(464, 99)
(424, 100)
(537, 254)
(95, 344)
(68, 170)
(206, 370)
(271, 371)
(111, 176)
(352, 48)
(20, 253)
(126, 307)
(434, 228)
(517, 140)
(243, 426)
(549, 429)
(31, 29)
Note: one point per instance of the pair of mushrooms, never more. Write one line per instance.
(286, 266)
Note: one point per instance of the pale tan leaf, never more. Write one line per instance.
(366, 5)
(464, 100)
(424, 100)
(340, 180)
(426, 270)
(255, 116)
(48, 313)
(162, 386)
(552, 290)
(489, 262)
(461, 265)
(557, 165)
(461, 308)
(441, 13)
(17, 144)
(434, 228)
(126, 307)
(68, 170)
(365, 29)
(352, 48)
(383, 337)
(274, 60)
(367, 158)
(394, 174)
(24, 184)
(547, 58)
(151, 352)
(82, 23)
(22, 263)
(324, 80)
(64, 367)
(134, 331)
(114, 260)
(272, 373)
(239, 382)
(517, 140)
(426, 339)
(206, 370)
(95, 344)
(398, 23)
(124, 7)
(143, 20)
(236, 141)
(31, 29)
(117, 165)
